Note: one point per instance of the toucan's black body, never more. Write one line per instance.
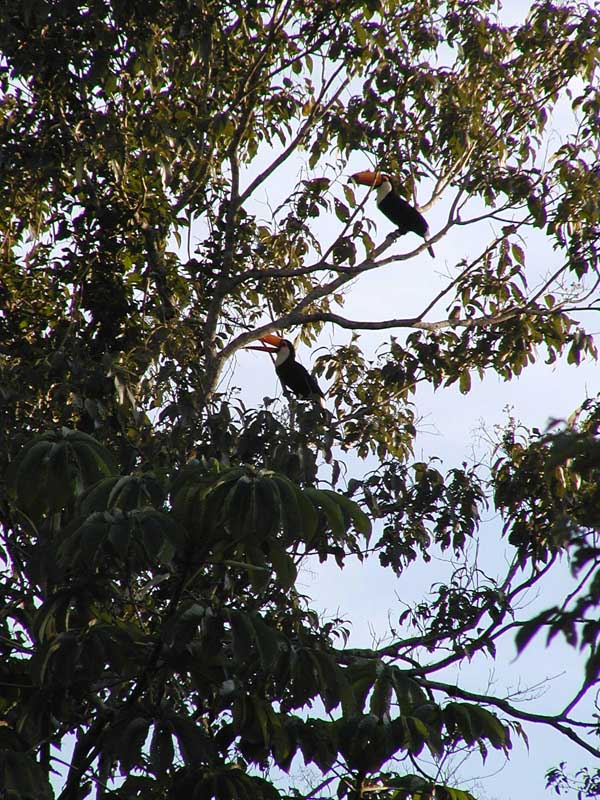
(402, 214)
(292, 375)
(298, 379)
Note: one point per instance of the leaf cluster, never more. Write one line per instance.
(166, 610)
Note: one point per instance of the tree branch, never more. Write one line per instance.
(559, 723)
(316, 111)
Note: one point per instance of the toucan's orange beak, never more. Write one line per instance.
(367, 178)
(263, 348)
(268, 338)
(272, 338)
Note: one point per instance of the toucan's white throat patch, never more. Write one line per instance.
(282, 355)
(383, 191)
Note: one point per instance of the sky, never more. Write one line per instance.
(454, 428)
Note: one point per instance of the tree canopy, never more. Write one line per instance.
(154, 637)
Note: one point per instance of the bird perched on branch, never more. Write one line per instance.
(395, 208)
(292, 375)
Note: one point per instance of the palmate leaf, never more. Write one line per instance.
(262, 730)
(197, 496)
(406, 785)
(54, 469)
(238, 510)
(318, 741)
(96, 498)
(253, 509)
(143, 535)
(341, 512)
(449, 793)
(124, 740)
(195, 746)
(414, 733)
(234, 503)
(361, 675)
(530, 628)
(492, 729)
(332, 511)
(83, 546)
(60, 659)
(431, 715)
(381, 696)
(360, 520)
(125, 492)
(461, 723)
(312, 672)
(253, 636)
(367, 742)
(299, 515)
(409, 694)
(472, 723)
(365, 675)
(254, 560)
(74, 660)
(332, 682)
(283, 564)
(260, 508)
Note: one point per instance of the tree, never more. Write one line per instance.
(153, 526)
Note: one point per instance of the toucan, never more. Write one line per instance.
(395, 208)
(292, 374)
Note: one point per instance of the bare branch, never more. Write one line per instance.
(316, 111)
(408, 322)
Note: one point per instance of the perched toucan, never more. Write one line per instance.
(292, 374)
(395, 208)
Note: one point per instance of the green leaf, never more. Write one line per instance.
(283, 564)
(131, 742)
(332, 510)
(529, 629)
(464, 382)
(236, 512)
(161, 750)
(119, 532)
(381, 696)
(269, 642)
(82, 546)
(409, 694)
(194, 744)
(341, 210)
(55, 468)
(361, 521)
(491, 728)
(318, 741)
(460, 720)
(291, 502)
(257, 567)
